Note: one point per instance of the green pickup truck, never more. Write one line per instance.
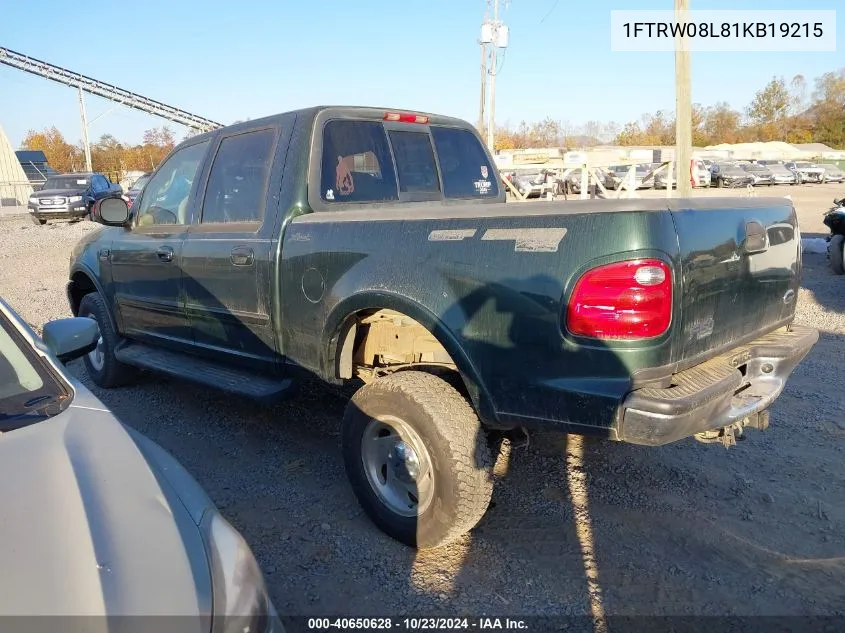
(376, 246)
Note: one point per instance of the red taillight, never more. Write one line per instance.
(404, 117)
(624, 300)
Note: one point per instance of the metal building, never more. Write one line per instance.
(15, 189)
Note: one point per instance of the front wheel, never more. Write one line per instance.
(417, 458)
(105, 370)
(835, 252)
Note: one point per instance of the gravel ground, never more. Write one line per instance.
(576, 527)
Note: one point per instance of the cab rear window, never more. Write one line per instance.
(363, 162)
(357, 166)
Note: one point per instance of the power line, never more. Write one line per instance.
(554, 6)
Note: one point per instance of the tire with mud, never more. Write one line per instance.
(417, 458)
(105, 370)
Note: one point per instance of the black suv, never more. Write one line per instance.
(70, 196)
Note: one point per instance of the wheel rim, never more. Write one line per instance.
(397, 465)
(97, 356)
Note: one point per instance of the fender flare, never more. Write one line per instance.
(82, 268)
(337, 322)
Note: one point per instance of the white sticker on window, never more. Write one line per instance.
(482, 186)
(330, 194)
(81, 182)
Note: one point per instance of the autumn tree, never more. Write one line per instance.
(721, 124)
(829, 108)
(769, 108)
(156, 144)
(545, 133)
(108, 154)
(631, 134)
(61, 155)
(798, 94)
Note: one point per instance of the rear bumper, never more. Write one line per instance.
(723, 391)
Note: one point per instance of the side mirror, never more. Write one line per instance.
(110, 211)
(71, 338)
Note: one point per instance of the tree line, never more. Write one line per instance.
(107, 153)
(780, 111)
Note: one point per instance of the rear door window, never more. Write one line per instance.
(357, 166)
(465, 170)
(238, 181)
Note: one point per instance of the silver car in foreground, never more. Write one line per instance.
(96, 519)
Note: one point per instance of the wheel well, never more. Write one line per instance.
(376, 342)
(80, 286)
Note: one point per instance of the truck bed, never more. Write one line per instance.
(496, 279)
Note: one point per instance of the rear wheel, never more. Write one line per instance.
(105, 370)
(835, 252)
(417, 458)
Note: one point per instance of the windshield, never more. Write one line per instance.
(753, 167)
(803, 164)
(139, 184)
(66, 182)
(730, 169)
(778, 168)
(28, 388)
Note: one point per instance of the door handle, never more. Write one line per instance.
(165, 253)
(242, 256)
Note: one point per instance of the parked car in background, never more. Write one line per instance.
(759, 173)
(806, 171)
(729, 175)
(572, 182)
(89, 499)
(533, 183)
(832, 173)
(702, 174)
(136, 188)
(70, 196)
(781, 174)
(617, 174)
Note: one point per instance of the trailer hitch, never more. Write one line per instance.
(730, 435)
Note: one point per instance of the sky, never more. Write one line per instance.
(237, 60)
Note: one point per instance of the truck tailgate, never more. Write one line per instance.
(740, 272)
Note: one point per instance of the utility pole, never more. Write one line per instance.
(85, 142)
(683, 106)
(491, 125)
(483, 86)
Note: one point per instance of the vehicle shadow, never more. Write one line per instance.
(577, 527)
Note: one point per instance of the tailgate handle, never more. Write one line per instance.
(755, 237)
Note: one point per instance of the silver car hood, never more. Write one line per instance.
(89, 525)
